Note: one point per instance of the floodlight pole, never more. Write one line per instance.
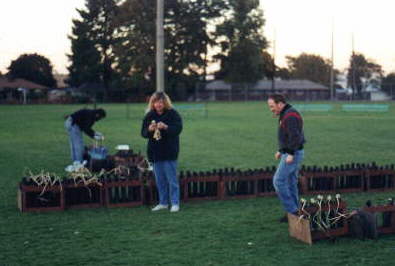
(332, 74)
(274, 62)
(159, 47)
(354, 87)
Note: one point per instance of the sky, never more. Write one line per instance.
(307, 25)
(42, 27)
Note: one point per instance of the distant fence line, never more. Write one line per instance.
(198, 97)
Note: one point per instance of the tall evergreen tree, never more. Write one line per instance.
(85, 58)
(241, 56)
(95, 32)
(361, 69)
(187, 39)
(135, 51)
(104, 13)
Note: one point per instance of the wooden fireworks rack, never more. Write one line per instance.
(303, 229)
(307, 231)
(137, 187)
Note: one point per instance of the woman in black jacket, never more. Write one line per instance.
(162, 126)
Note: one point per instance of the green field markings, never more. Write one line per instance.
(365, 107)
(313, 107)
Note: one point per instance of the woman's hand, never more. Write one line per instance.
(162, 125)
(152, 127)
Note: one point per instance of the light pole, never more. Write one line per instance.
(159, 47)
(274, 62)
(332, 74)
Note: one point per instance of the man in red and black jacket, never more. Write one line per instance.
(291, 142)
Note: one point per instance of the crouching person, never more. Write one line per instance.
(75, 124)
(162, 126)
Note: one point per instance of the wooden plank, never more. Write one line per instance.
(299, 228)
(20, 200)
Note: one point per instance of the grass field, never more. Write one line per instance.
(237, 232)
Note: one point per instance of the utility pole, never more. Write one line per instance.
(274, 62)
(159, 47)
(354, 87)
(332, 75)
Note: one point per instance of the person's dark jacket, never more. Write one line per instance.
(85, 119)
(167, 148)
(290, 131)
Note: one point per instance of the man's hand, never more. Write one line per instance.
(98, 136)
(162, 125)
(277, 156)
(290, 158)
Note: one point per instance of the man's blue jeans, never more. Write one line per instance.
(167, 182)
(285, 181)
(75, 139)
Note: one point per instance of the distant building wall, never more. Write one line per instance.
(299, 90)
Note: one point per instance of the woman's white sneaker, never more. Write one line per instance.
(175, 208)
(69, 168)
(159, 207)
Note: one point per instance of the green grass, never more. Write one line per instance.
(240, 135)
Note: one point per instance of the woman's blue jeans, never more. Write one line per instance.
(167, 182)
(75, 139)
(285, 181)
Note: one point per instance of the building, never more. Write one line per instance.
(21, 91)
(218, 90)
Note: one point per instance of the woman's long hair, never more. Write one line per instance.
(159, 96)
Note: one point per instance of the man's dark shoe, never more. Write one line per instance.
(284, 219)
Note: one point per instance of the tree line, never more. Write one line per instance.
(113, 45)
